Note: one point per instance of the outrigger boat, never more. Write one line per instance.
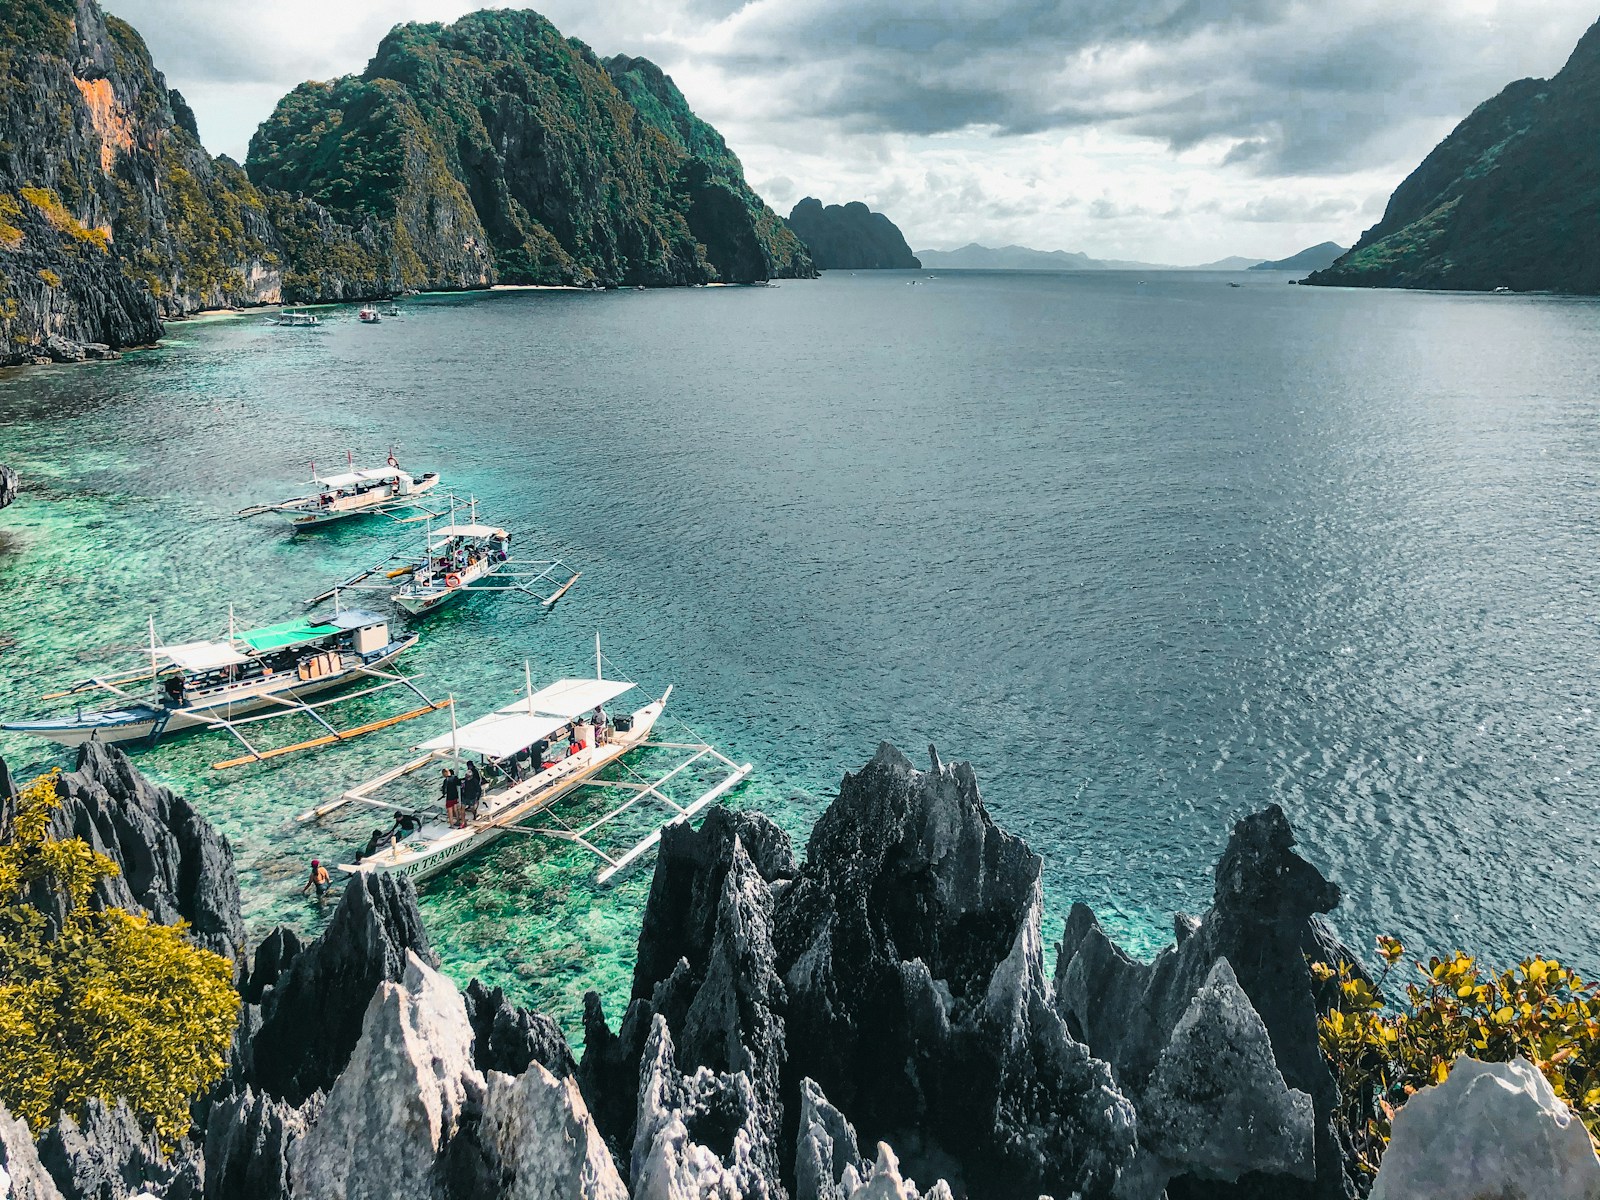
(458, 559)
(386, 489)
(525, 772)
(369, 315)
(249, 677)
(290, 319)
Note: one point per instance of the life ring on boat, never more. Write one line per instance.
(452, 580)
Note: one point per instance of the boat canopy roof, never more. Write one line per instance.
(570, 698)
(202, 656)
(443, 535)
(289, 633)
(499, 735)
(351, 478)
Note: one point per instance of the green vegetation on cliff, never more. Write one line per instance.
(498, 138)
(1507, 200)
(98, 1003)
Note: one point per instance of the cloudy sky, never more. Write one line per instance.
(1164, 130)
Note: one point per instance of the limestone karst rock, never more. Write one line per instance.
(1216, 1107)
(106, 1156)
(827, 1160)
(22, 1175)
(312, 1018)
(173, 862)
(506, 1038)
(850, 237)
(249, 1137)
(1263, 922)
(696, 1135)
(398, 1100)
(10, 488)
(1490, 1129)
(413, 1115)
(910, 948)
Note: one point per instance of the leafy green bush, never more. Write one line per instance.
(110, 1004)
(1540, 1009)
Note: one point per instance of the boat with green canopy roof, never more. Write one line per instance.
(231, 683)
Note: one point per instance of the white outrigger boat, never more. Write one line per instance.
(456, 560)
(292, 319)
(525, 772)
(249, 677)
(386, 489)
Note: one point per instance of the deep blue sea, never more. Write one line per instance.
(1151, 552)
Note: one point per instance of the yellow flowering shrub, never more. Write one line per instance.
(111, 1005)
(1539, 1009)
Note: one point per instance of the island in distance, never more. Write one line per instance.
(1507, 200)
(973, 257)
(1313, 258)
(850, 237)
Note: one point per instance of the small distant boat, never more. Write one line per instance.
(354, 492)
(292, 319)
(392, 311)
(541, 748)
(369, 315)
(1232, 284)
(458, 559)
(226, 684)
(1502, 288)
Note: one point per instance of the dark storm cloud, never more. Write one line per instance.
(1300, 88)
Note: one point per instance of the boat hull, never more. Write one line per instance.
(141, 722)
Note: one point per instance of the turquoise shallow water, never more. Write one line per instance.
(1149, 553)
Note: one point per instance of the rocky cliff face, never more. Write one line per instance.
(111, 213)
(850, 237)
(495, 148)
(1507, 200)
(491, 150)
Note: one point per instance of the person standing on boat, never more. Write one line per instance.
(471, 793)
(602, 728)
(450, 789)
(318, 879)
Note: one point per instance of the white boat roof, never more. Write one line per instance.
(570, 698)
(444, 534)
(202, 656)
(351, 478)
(499, 735)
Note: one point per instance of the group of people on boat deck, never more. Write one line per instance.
(462, 795)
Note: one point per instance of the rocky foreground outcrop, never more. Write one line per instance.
(10, 486)
(827, 1029)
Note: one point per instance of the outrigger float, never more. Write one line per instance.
(387, 490)
(228, 685)
(513, 748)
(457, 560)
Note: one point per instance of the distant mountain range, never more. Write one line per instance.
(973, 257)
(1313, 258)
(1507, 200)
